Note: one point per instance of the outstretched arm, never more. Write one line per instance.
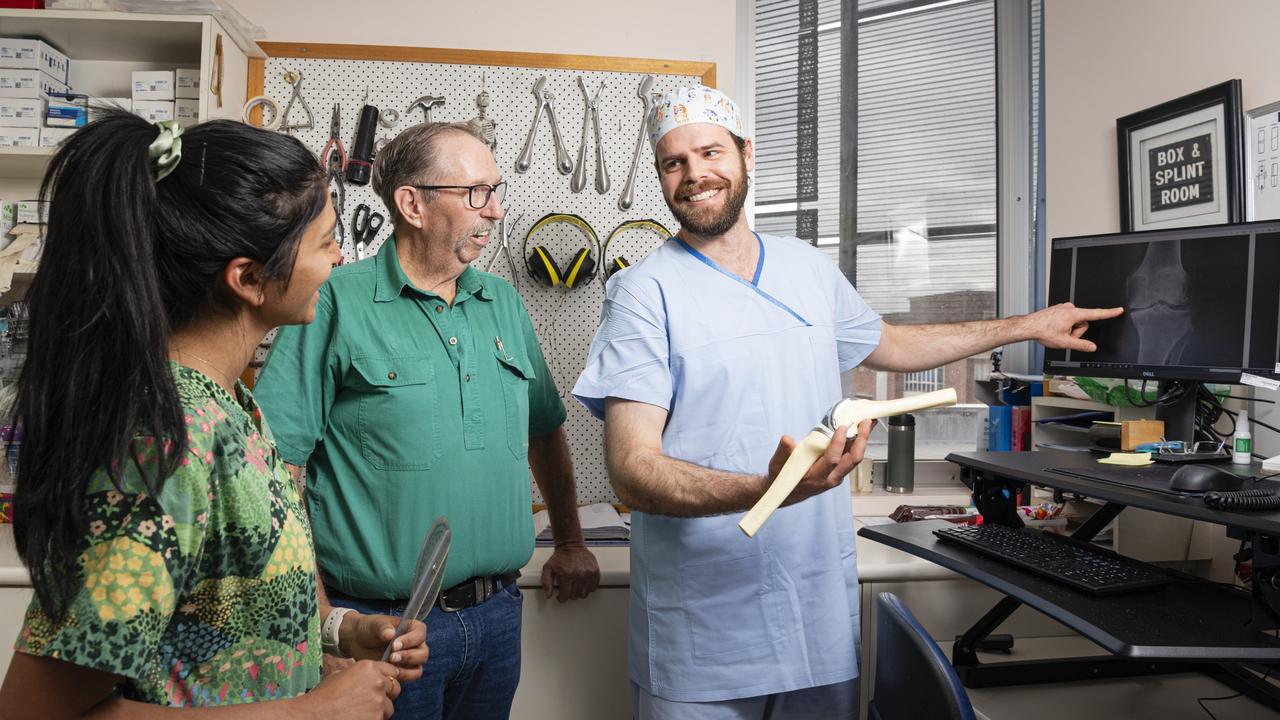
(909, 348)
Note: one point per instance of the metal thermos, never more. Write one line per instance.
(899, 476)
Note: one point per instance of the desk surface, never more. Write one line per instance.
(1193, 620)
(1153, 697)
(1034, 467)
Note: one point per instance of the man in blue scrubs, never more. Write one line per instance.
(718, 343)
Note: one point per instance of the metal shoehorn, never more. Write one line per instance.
(426, 577)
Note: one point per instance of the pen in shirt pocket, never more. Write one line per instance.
(498, 341)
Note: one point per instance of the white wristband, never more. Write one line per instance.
(329, 631)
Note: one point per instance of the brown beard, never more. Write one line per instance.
(714, 224)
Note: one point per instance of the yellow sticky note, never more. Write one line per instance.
(1137, 459)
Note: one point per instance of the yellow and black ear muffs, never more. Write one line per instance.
(614, 264)
(542, 266)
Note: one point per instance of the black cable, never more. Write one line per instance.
(1142, 394)
(1251, 399)
(1252, 421)
(1202, 700)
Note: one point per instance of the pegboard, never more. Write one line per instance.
(564, 320)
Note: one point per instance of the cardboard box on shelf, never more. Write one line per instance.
(32, 211)
(61, 113)
(35, 54)
(51, 136)
(19, 136)
(95, 103)
(187, 111)
(152, 85)
(186, 83)
(153, 110)
(21, 112)
(28, 83)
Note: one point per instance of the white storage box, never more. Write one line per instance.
(123, 103)
(19, 136)
(28, 83)
(186, 111)
(153, 110)
(186, 84)
(153, 85)
(32, 211)
(51, 136)
(35, 54)
(21, 112)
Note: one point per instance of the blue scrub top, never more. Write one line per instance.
(716, 615)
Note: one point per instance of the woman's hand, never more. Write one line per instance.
(365, 637)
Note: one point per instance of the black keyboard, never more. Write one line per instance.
(1076, 563)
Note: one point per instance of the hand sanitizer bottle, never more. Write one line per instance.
(1242, 441)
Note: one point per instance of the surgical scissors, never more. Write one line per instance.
(365, 225)
(504, 248)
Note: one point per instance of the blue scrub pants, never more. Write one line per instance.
(826, 702)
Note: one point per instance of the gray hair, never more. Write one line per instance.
(411, 159)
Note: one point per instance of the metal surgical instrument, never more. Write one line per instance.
(591, 114)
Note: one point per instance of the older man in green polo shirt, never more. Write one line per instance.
(418, 391)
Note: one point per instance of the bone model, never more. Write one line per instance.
(849, 413)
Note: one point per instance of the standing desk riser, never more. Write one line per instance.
(1192, 624)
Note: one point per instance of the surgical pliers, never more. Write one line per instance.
(334, 157)
(504, 248)
(294, 78)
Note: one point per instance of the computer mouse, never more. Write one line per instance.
(1204, 478)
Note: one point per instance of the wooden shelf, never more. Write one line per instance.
(24, 162)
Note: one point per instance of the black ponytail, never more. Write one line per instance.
(126, 262)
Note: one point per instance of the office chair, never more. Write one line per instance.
(913, 678)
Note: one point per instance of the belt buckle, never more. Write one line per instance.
(481, 589)
(445, 606)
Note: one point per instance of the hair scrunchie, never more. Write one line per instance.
(166, 150)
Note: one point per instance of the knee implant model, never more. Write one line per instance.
(849, 413)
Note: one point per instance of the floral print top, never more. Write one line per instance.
(204, 594)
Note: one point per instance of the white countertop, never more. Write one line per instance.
(876, 562)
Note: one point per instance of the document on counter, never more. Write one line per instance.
(601, 525)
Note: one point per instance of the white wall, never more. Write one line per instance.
(654, 29)
(1107, 58)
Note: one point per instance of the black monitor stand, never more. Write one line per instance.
(1179, 416)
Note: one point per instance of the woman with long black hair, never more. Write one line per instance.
(170, 554)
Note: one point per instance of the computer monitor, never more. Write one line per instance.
(1201, 304)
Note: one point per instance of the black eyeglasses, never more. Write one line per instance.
(477, 195)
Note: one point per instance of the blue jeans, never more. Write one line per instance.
(474, 662)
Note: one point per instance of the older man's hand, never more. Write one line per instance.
(573, 569)
(1061, 326)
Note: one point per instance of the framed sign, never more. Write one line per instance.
(1180, 161)
(1262, 163)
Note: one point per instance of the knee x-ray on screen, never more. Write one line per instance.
(1200, 303)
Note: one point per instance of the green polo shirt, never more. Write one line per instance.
(408, 409)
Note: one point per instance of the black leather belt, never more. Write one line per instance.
(468, 593)
(473, 591)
